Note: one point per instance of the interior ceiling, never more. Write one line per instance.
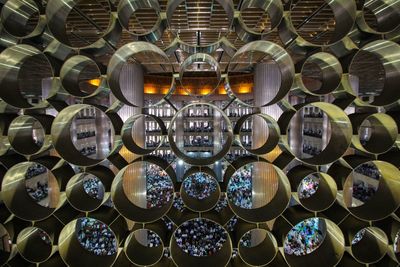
(200, 22)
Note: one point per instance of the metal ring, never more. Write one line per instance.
(196, 160)
(124, 200)
(273, 133)
(57, 13)
(388, 54)
(199, 58)
(80, 71)
(339, 141)
(386, 13)
(126, 8)
(30, 134)
(274, 8)
(139, 252)
(75, 254)
(329, 252)
(263, 252)
(330, 74)
(274, 52)
(35, 244)
(387, 190)
(64, 141)
(23, 65)
(200, 205)
(325, 193)
(219, 258)
(344, 12)
(265, 210)
(129, 127)
(126, 53)
(19, 201)
(17, 16)
(382, 135)
(5, 121)
(372, 246)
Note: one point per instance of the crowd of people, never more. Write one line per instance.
(245, 241)
(230, 225)
(199, 185)
(304, 237)
(168, 223)
(363, 191)
(311, 150)
(192, 129)
(87, 134)
(159, 187)
(35, 170)
(198, 141)
(240, 187)
(96, 237)
(369, 169)
(359, 235)
(221, 204)
(89, 150)
(200, 237)
(178, 203)
(153, 240)
(40, 192)
(93, 187)
(312, 132)
(308, 186)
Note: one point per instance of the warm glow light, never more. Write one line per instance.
(150, 89)
(244, 89)
(94, 82)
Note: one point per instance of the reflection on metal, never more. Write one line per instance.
(254, 53)
(369, 245)
(34, 244)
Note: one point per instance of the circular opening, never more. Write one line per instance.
(362, 184)
(34, 244)
(144, 247)
(257, 59)
(200, 134)
(96, 237)
(321, 73)
(377, 133)
(80, 76)
(143, 134)
(253, 185)
(380, 15)
(78, 23)
(141, 21)
(93, 187)
(309, 138)
(152, 71)
(20, 17)
(147, 185)
(85, 191)
(256, 19)
(257, 247)
(26, 135)
(41, 185)
(199, 185)
(308, 186)
(24, 76)
(200, 237)
(83, 135)
(305, 237)
(358, 236)
(367, 76)
(204, 71)
(6, 248)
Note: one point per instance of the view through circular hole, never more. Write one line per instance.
(5, 250)
(253, 185)
(143, 20)
(305, 237)
(309, 132)
(96, 237)
(308, 186)
(361, 185)
(20, 17)
(247, 135)
(92, 133)
(34, 244)
(200, 185)
(41, 185)
(256, 19)
(93, 186)
(200, 237)
(200, 134)
(380, 15)
(150, 188)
